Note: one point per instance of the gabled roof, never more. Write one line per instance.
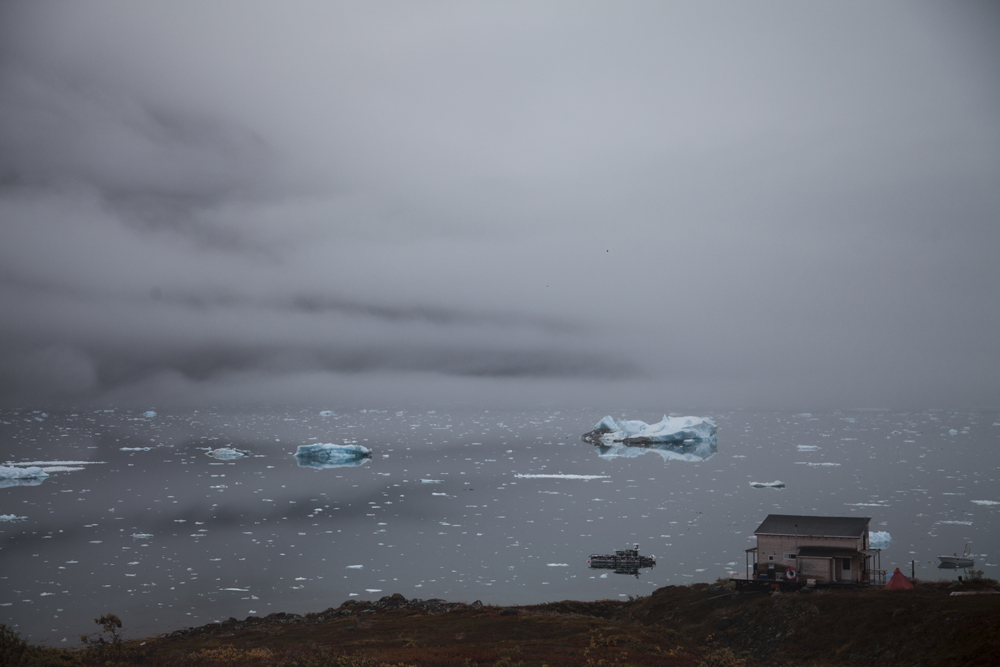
(813, 526)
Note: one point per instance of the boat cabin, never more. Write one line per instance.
(825, 550)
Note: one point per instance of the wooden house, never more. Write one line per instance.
(825, 550)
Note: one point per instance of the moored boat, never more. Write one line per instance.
(627, 559)
(956, 561)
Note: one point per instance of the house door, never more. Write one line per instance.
(846, 569)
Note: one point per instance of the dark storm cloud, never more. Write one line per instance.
(737, 204)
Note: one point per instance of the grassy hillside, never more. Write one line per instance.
(676, 625)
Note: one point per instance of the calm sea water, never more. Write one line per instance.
(137, 519)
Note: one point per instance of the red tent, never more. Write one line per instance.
(898, 582)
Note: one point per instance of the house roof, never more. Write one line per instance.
(813, 526)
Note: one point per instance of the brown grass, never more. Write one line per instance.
(682, 626)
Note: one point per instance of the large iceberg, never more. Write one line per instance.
(671, 430)
(329, 455)
(879, 539)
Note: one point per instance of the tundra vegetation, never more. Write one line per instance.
(700, 625)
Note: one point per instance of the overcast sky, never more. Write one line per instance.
(665, 204)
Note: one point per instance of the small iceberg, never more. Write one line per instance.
(227, 453)
(808, 448)
(879, 539)
(29, 476)
(670, 430)
(326, 413)
(149, 414)
(141, 536)
(12, 517)
(329, 455)
(776, 484)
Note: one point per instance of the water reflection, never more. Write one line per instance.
(691, 451)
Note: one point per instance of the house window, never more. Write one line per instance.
(770, 557)
(789, 556)
(847, 565)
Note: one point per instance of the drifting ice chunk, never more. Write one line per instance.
(12, 517)
(141, 536)
(635, 432)
(777, 484)
(326, 413)
(149, 414)
(329, 455)
(808, 448)
(227, 453)
(879, 539)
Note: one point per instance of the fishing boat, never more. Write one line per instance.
(956, 561)
(622, 559)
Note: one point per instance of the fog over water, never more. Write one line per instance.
(779, 205)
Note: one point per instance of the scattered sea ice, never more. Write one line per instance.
(807, 448)
(149, 414)
(354, 567)
(987, 503)
(431, 481)
(12, 517)
(777, 484)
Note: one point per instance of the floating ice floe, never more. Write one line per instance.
(12, 517)
(807, 448)
(142, 536)
(986, 503)
(149, 414)
(227, 453)
(635, 432)
(776, 484)
(561, 476)
(134, 449)
(431, 481)
(691, 451)
(329, 455)
(326, 413)
(879, 539)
